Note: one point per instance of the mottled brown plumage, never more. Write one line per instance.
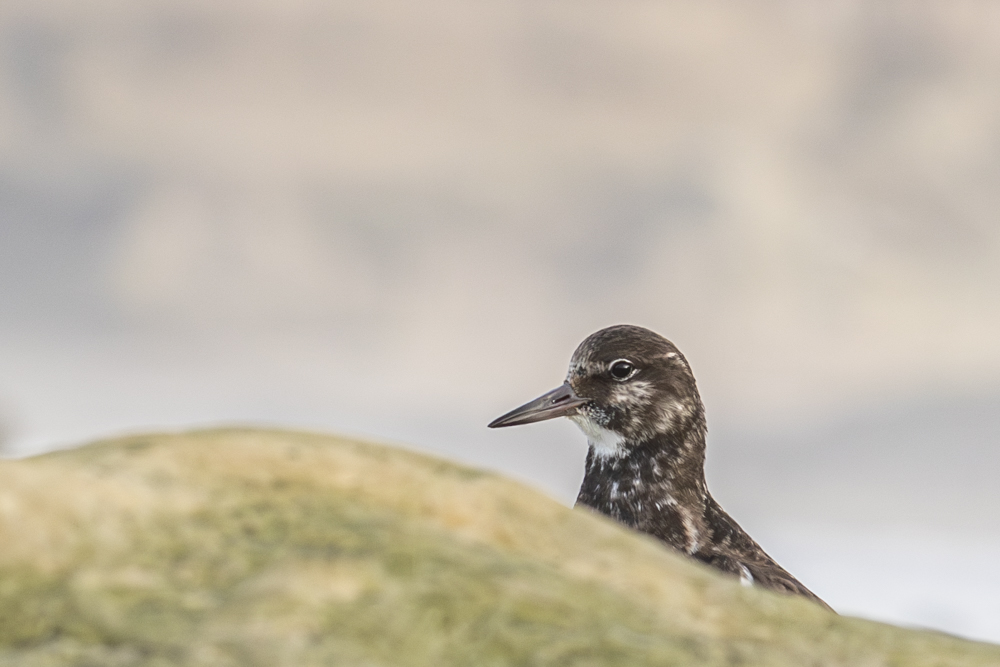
(634, 396)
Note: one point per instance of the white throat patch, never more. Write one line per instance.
(606, 443)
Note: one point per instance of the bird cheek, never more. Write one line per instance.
(634, 394)
(668, 416)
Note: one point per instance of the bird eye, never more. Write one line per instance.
(622, 369)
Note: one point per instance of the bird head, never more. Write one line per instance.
(626, 385)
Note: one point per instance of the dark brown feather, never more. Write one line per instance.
(654, 478)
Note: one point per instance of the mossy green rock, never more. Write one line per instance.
(246, 547)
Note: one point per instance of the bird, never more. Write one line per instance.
(634, 396)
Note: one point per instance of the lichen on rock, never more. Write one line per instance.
(250, 547)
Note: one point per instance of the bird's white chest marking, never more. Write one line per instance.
(606, 443)
(745, 577)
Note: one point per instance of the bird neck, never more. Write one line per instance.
(667, 470)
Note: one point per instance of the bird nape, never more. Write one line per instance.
(633, 394)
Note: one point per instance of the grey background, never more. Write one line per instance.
(398, 219)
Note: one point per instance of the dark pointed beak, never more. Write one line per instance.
(559, 402)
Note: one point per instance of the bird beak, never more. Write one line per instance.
(559, 402)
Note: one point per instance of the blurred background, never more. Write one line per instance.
(397, 220)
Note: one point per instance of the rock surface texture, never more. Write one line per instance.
(247, 547)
